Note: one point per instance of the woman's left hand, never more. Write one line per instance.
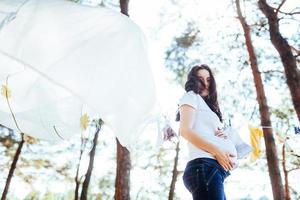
(220, 133)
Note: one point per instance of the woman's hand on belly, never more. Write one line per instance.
(226, 160)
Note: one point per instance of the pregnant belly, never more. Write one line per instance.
(226, 146)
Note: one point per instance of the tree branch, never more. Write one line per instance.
(272, 71)
(290, 13)
(280, 5)
(296, 155)
(293, 169)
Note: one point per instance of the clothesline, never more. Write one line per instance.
(296, 128)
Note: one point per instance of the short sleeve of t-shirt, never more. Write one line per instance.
(189, 98)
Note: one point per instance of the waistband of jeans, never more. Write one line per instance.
(210, 161)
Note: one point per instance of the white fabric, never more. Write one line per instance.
(242, 148)
(59, 57)
(205, 125)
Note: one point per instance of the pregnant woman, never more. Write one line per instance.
(211, 154)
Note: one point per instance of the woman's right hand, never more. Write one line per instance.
(224, 159)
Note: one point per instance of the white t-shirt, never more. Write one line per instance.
(205, 125)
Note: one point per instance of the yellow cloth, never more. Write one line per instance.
(255, 135)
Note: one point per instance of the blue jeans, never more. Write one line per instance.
(204, 178)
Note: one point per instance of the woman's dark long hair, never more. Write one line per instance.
(195, 84)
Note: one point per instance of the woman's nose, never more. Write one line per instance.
(206, 83)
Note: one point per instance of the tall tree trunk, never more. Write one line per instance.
(271, 151)
(77, 179)
(175, 173)
(122, 182)
(77, 182)
(13, 167)
(285, 51)
(85, 185)
(286, 174)
(124, 7)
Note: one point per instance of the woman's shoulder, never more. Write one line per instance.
(189, 95)
(194, 99)
(192, 94)
(190, 98)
